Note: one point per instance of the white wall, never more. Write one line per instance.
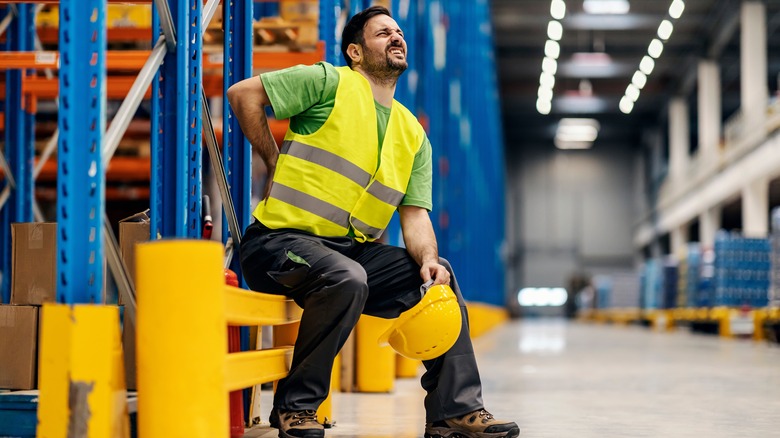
(569, 210)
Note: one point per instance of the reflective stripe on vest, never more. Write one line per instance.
(330, 182)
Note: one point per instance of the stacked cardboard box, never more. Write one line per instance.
(33, 282)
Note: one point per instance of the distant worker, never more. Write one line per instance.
(352, 156)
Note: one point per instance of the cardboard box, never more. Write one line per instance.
(34, 263)
(132, 230)
(128, 347)
(18, 346)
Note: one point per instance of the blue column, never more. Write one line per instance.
(329, 34)
(194, 121)
(237, 153)
(80, 174)
(171, 118)
(19, 144)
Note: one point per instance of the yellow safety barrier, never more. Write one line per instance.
(81, 376)
(375, 365)
(184, 369)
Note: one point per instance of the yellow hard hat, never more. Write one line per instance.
(429, 329)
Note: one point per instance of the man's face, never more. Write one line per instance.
(384, 47)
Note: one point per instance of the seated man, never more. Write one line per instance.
(351, 157)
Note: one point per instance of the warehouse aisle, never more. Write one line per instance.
(560, 379)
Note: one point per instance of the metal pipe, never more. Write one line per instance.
(219, 168)
(208, 13)
(166, 22)
(133, 100)
(118, 269)
(51, 146)
(7, 20)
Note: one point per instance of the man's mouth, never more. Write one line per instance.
(397, 51)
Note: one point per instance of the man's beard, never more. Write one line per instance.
(384, 70)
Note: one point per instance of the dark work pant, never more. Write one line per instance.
(335, 280)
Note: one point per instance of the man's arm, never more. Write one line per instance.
(421, 243)
(248, 99)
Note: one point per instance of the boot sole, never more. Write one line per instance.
(449, 433)
(308, 435)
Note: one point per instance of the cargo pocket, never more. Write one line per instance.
(292, 270)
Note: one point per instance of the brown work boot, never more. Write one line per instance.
(477, 424)
(297, 424)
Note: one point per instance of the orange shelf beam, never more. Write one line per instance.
(50, 34)
(135, 59)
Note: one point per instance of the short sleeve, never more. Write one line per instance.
(419, 192)
(294, 90)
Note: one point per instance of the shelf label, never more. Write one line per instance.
(45, 58)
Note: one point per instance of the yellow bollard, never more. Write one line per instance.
(405, 367)
(375, 365)
(82, 373)
(54, 371)
(182, 340)
(97, 381)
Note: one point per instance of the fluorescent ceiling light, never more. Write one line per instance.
(542, 296)
(646, 65)
(677, 8)
(639, 79)
(632, 92)
(547, 80)
(569, 145)
(626, 105)
(543, 106)
(665, 30)
(655, 48)
(549, 65)
(554, 30)
(558, 9)
(606, 6)
(577, 130)
(545, 93)
(552, 49)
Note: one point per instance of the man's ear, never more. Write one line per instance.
(355, 53)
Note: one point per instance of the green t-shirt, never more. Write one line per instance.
(306, 95)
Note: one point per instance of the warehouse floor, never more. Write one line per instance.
(560, 379)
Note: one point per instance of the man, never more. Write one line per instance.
(351, 157)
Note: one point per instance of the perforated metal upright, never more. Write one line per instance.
(236, 150)
(19, 142)
(330, 10)
(176, 156)
(80, 174)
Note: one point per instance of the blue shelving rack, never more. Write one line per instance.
(80, 174)
(175, 195)
(237, 153)
(19, 142)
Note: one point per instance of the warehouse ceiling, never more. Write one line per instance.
(599, 55)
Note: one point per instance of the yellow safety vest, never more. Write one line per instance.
(329, 181)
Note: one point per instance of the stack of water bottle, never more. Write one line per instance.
(742, 267)
(692, 275)
(682, 281)
(668, 298)
(651, 284)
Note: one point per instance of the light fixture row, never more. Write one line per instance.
(552, 50)
(654, 51)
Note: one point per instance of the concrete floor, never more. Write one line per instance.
(559, 379)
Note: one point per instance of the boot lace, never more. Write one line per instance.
(302, 417)
(485, 415)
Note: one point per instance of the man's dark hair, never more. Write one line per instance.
(353, 31)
